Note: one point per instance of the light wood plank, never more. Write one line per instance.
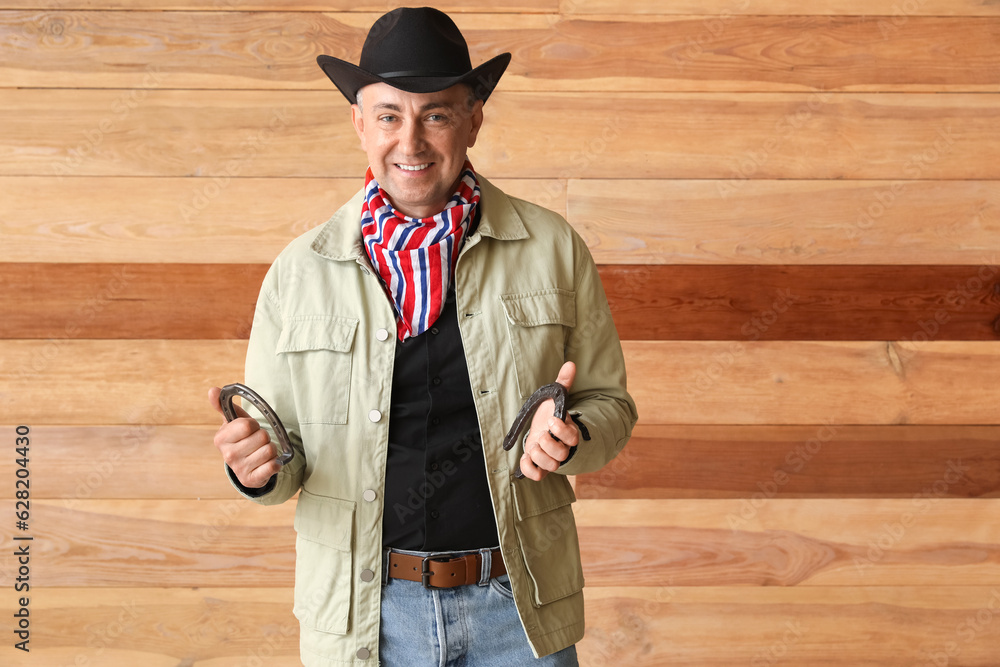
(886, 627)
(126, 462)
(744, 221)
(138, 49)
(765, 382)
(723, 8)
(713, 461)
(363, 7)
(673, 382)
(235, 543)
(210, 220)
(758, 135)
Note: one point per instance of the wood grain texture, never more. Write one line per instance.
(751, 221)
(93, 462)
(697, 135)
(824, 461)
(673, 382)
(873, 9)
(235, 543)
(210, 220)
(161, 627)
(751, 303)
(365, 7)
(771, 382)
(867, 626)
(664, 302)
(643, 54)
(643, 626)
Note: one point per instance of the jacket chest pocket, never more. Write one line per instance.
(537, 323)
(318, 349)
(323, 562)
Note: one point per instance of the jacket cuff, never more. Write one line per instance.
(247, 491)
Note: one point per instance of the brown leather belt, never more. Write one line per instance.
(443, 571)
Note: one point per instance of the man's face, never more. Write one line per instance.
(416, 143)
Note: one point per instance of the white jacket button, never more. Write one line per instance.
(382, 335)
(363, 654)
(374, 415)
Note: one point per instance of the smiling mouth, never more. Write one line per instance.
(414, 167)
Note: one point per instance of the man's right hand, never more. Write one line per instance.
(246, 447)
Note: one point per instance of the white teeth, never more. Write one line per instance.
(418, 167)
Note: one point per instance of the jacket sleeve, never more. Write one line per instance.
(599, 397)
(268, 374)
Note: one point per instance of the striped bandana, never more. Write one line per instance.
(416, 257)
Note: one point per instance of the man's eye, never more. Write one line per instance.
(436, 118)
(387, 119)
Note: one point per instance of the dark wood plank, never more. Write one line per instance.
(649, 302)
(748, 302)
(175, 301)
(695, 135)
(277, 50)
(828, 461)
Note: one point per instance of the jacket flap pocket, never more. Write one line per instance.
(328, 521)
(536, 498)
(551, 306)
(317, 332)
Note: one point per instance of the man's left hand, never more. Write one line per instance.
(549, 439)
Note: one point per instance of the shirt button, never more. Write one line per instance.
(435, 421)
(367, 575)
(434, 466)
(436, 381)
(382, 335)
(434, 514)
(434, 330)
(368, 495)
(374, 415)
(363, 654)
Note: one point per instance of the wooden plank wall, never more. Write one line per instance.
(796, 212)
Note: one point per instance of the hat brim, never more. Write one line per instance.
(349, 78)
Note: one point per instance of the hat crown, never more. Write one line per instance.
(415, 42)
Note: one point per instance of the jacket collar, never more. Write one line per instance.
(340, 237)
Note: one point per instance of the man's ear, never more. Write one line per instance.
(357, 119)
(477, 122)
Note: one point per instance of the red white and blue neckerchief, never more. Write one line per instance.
(416, 257)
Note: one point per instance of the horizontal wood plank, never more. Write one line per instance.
(787, 222)
(137, 49)
(673, 382)
(235, 543)
(697, 627)
(697, 135)
(209, 220)
(681, 461)
(362, 7)
(825, 461)
(642, 626)
(76, 463)
(663, 302)
(873, 9)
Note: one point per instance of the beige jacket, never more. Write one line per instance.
(528, 297)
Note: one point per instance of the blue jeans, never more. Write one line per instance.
(465, 626)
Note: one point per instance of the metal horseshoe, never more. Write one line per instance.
(557, 393)
(247, 394)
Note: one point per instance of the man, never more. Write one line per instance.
(397, 343)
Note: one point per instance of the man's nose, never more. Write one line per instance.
(412, 139)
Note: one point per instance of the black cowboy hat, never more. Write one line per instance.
(416, 50)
